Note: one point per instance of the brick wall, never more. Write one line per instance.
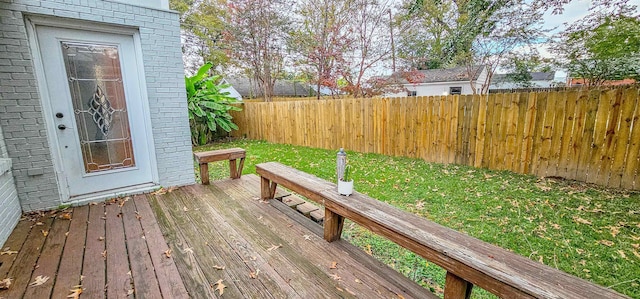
(21, 115)
(9, 205)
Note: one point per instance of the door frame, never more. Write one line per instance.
(56, 157)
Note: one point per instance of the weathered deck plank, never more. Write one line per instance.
(94, 263)
(145, 284)
(118, 275)
(12, 247)
(165, 268)
(71, 263)
(24, 263)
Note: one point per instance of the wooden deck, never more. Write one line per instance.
(113, 250)
(223, 234)
(221, 238)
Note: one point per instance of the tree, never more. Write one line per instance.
(321, 39)
(520, 68)
(257, 32)
(202, 26)
(603, 46)
(370, 46)
(472, 33)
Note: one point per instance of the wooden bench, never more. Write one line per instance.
(467, 260)
(231, 154)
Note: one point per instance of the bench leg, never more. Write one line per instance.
(456, 287)
(232, 169)
(204, 173)
(268, 189)
(240, 166)
(333, 224)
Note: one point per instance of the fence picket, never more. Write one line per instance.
(591, 136)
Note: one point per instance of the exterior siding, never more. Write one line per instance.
(21, 115)
(9, 205)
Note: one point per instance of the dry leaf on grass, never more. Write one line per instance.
(5, 283)
(167, 253)
(636, 254)
(334, 265)
(219, 267)
(606, 243)
(75, 292)
(274, 247)
(40, 280)
(45, 233)
(580, 220)
(622, 254)
(220, 287)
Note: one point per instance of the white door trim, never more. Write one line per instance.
(31, 23)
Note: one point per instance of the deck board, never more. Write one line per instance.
(94, 264)
(71, 263)
(218, 232)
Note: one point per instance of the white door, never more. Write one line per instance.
(96, 107)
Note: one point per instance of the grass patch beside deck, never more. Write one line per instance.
(584, 230)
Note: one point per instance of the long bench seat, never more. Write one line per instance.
(467, 260)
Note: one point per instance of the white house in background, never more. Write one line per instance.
(232, 91)
(442, 82)
(538, 80)
(92, 103)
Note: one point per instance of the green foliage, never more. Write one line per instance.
(586, 231)
(208, 106)
(347, 173)
(605, 45)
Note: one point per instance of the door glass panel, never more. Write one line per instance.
(95, 82)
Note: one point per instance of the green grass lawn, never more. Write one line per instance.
(584, 230)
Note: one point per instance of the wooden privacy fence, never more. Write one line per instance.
(591, 136)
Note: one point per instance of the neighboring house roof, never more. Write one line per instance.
(231, 90)
(581, 81)
(439, 75)
(249, 88)
(535, 76)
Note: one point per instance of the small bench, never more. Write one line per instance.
(467, 260)
(231, 154)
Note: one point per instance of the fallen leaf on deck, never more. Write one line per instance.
(254, 274)
(101, 239)
(65, 216)
(104, 254)
(8, 252)
(93, 203)
(274, 247)
(75, 292)
(219, 267)
(45, 233)
(167, 253)
(220, 287)
(349, 291)
(580, 220)
(334, 265)
(606, 242)
(40, 280)
(307, 237)
(121, 204)
(5, 283)
(357, 280)
(130, 292)
(160, 191)
(185, 209)
(400, 296)
(39, 223)
(66, 234)
(138, 215)
(335, 276)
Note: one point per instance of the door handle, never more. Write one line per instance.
(62, 127)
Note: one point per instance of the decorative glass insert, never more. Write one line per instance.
(99, 104)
